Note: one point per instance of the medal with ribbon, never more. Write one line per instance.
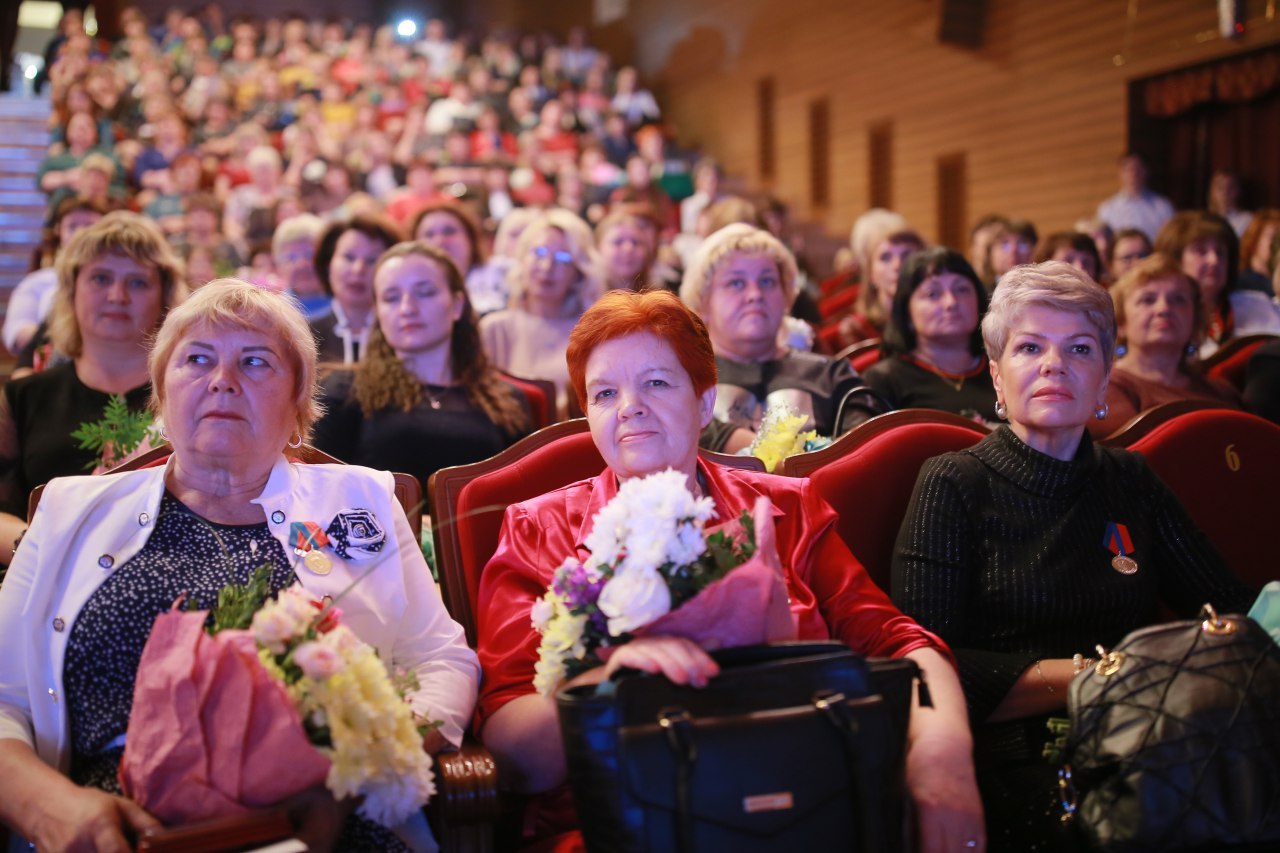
(307, 538)
(1118, 542)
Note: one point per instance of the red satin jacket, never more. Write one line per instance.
(831, 594)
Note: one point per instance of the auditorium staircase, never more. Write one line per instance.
(24, 139)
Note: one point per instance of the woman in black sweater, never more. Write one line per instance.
(1036, 544)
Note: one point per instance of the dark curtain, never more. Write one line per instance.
(1224, 115)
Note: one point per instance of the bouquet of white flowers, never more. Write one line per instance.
(655, 569)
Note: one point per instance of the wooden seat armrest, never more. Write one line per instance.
(242, 832)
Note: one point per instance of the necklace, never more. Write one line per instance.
(433, 397)
(955, 380)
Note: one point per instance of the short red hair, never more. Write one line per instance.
(659, 312)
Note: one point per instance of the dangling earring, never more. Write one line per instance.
(1101, 412)
(164, 433)
(1002, 411)
(295, 442)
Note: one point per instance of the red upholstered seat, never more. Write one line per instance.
(1225, 467)
(1231, 362)
(541, 394)
(836, 304)
(868, 475)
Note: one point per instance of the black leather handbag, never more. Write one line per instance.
(792, 746)
(1175, 740)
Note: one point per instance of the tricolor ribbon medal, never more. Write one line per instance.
(307, 539)
(1118, 542)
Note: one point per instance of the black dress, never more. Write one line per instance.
(43, 410)
(1003, 553)
(907, 384)
(444, 429)
(185, 555)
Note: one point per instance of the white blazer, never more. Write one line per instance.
(85, 527)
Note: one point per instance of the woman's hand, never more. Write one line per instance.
(91, 820)
(940, 775)
(681, 661)
(942, 785)
(318, 816)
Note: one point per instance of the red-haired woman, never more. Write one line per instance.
(644, 370)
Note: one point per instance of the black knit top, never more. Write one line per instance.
(1003, 553)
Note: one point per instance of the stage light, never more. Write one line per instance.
(406, 29)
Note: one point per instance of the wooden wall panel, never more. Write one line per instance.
(1039, 110)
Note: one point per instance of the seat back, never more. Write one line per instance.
(1231, 361)
(408, 490)
(468, 502)
(1144, 422)
(868, 475)
(863, 354)
(541, 394)
(1224, 466)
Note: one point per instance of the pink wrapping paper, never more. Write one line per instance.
(211, 733)
(748, 605)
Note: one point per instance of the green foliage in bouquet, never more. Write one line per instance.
(724, 553)
(119, 433)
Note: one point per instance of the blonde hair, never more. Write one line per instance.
(1156, 267)
(735, 239)
(118, 233)
(588, 287)
(228, 303)
(1051, 284)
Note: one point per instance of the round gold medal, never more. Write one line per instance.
(1124, 565)
(318, 562)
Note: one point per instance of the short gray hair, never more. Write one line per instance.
(1052, 284)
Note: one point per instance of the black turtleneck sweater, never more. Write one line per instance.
(1003, 553)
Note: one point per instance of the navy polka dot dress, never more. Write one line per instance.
(186, 555)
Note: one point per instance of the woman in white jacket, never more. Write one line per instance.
(233, 373)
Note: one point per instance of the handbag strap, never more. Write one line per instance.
(833, 708)
(678, 727)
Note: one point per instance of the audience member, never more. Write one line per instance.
(345, 256)
(553, 280)
(1004, 549)
(741, 283)
(1135, 206)
(424, 397)
(1159, 321)
(116, 280)
(933, 340)
(1205, 245)
(1131, 246)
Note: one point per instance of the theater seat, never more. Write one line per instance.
(868, 475)
(862, 355)
(1225, 468)
(541, 394)
(1230, 363)
(1144, 422)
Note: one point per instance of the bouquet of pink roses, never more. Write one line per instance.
(655, 569)
(276, 697)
